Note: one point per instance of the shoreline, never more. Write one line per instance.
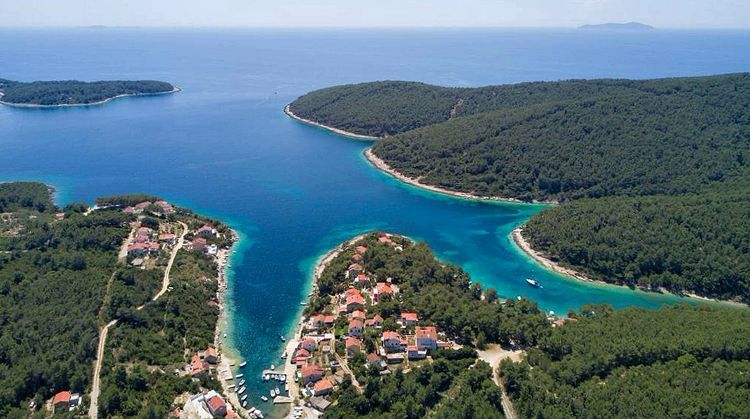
(381, 165)
(345, 133)
(80, 105)
(549, 264)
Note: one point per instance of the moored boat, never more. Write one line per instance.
(264, 398)
(533, 282)
(243, 364)
(242, 390)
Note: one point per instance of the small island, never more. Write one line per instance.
(43, 94)
(630, 26)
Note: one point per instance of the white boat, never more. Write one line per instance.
(242, 383)
(264, 398)
(303, 303)
(244, 397)
(278, 392)
(258, 413)
(225, 335)
(283, 356)
(244, 404)
(283, 339)
(238, 376)
(533, 282)
(272, 393)
(242, 390)
(273, 367)
(266, 377)
(243, 364)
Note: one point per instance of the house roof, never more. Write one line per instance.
(322, 385)
(330, 319)
(356, 323)
(428, 332)
(361, 249)
(409, 316)
(211, 351)
(357, 257)
(352, 291)
(61, 397)
(215, 403)
(166, 236)
(355, 266)
(309, 341)
(388, 334)
(312, 369)
(373, 357)
(355, 299)
(377, 318)
(353, 342)
(358, 314)
(199, 240)
(302, 352)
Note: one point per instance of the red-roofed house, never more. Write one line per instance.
(373, 360)
(311, 374)
(210, 355)
(351, 292)
(415, 353)
(426, 337)
(384, 239)
(167, 237)
(381, 288)
(356, 327)
(301, 356)
(322, 387)
(143, 204)
(355, 302)
(392, 342)
(362, 280)
(216, 406)
(137, 249)
(61, 401)
(357, 258)
(353, 346)
(317, 321)
(409, 318)
(361, 249)
(358, 314)
(199, 244)
(198, 366)
(154, 248)
(329, 320)
(309, 344)
(354, 270)
(376, 321)
(207, 231)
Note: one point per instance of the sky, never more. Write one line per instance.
(374, 13)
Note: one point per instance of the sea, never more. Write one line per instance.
(224, 147)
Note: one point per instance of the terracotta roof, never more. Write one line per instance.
(313, 369)
(355, 266)
(61, 397)
(302, 352)
(355, 299)
(166, 236)
(361, 249)
(377, 318)
(391, 335)
(330, 319)
(352, 291)
(353, 342)
(409, 316)
(428, 332)
(215, 403)
(373, 357)
(356, 323)
(211, 351)
(358, 314)
(322, 385)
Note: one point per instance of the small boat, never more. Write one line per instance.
(533, 282)
(272, 393)
(242, 383)
(258, 413)
(242, 390)
(283, 356)
(273, 367)
(283, 339)
(303, 303)
(238, 376)
(244, 404)
(278, 392)
(266, 377)
(244, 397)
(243, 364)
(264, 398)
(225, 335)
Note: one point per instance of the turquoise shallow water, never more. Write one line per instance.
(224, 147)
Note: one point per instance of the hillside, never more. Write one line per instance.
(678, 361)
(583, 140)
(73, 92)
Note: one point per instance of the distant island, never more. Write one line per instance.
(651, 175)
(630, 26)
(76, 93)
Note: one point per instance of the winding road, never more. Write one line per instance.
(96, 383)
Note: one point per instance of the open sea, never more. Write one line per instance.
(224, 147)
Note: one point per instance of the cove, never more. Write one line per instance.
(223, 146)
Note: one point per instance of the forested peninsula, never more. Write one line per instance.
(73, 92)
(679, 144)
(127, 266)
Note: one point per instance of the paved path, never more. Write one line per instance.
(96, 383)
(493, 355)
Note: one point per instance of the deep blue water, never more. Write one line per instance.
(224, 147)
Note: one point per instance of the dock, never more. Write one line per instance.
(282, 400)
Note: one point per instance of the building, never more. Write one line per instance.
(376, 321)
(356, 327)
(210, 355)
(353, 346)
(322, 388)
(354, 270)
(409, 318)
(357, 258)
(358, 314)
(216, 405)
(198, 366)
(311, 374)
(199, 244)
(381, 289)
(413, 352)
(167, 237)
(308, 344)
(362, 280)
(355, 302)
(207, 231)
(392, 342)
(317, 321)
(374, 361)
(137, 249)
(61, 401)
(361, 249)
(426, 338)
(301, 356)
